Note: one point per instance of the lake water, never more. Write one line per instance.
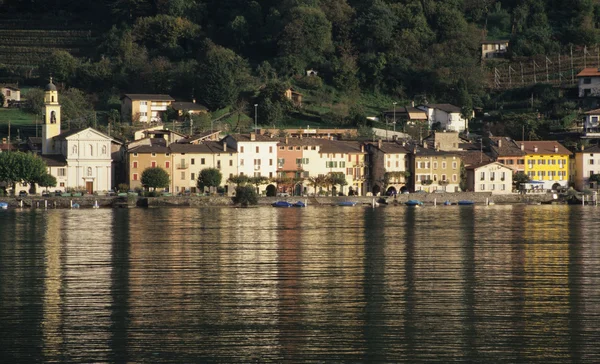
(512, 284)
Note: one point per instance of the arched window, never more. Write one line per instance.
(91, 150)
(53, 117)
(89, 171)
(74, 149)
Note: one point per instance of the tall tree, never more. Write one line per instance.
(209, 177)
(155, 177)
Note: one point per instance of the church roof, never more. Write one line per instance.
(50, 86)
(54, 160)
(68, 133)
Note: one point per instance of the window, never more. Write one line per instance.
(134, 154)
(482, 175)
(591, 162)
(282, 148)
(270, 174)
(154, 154)
(202, 161)
(257, 162)
(434, 165)
(492, 176)
(230, 163)
(241, 162)
(492, 187)
(257, 149)
(182, 175)
(521, 161)
(454, 178)
(193, 176)
(443, 177)
(454, 165)
(270, 162)
(594, 119)
(135, 176)
(167, 154)
(241, 149)
(7, 93)
(443, 165)
(153, 164)
(501, 161)
(482, 187)
(587, 80)
(193, 161)
(218, 164)
(167, 164)
(143, 103)
(143, 113)
(62, 172)
(271, 149)
(135, 164)
(62, 184)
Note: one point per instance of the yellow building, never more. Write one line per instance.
(547, 162)
(146, 156)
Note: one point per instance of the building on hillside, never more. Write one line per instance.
(388, 167)
(494, 49)
(508, 152)
(491, 177)
(159, 132)
(12, 95)
(79, 159)
(547, 162)
(144, 108)
(192, 108)
(211, 135)
(404, 115)
(294, 96)
(588, 82)
(433, 170)
(591, 128)
(190, 159)
(308, 132)
(448, 116)
(586, 163)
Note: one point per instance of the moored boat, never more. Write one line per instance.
(346, 203)
(413, 203)
(3, 205)
(281, 204)
(465, 202)
(299, 204)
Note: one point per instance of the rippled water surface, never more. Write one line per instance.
(390, 284)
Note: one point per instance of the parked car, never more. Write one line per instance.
(22, 193)
(45, 194)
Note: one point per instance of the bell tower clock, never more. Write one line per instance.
(51, 125)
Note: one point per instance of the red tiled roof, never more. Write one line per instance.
(544, 147)
(590, 71)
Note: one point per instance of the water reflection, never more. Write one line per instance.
(391, 284)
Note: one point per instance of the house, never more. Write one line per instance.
(547, 162)
(434, 170)
(345, 157)
(80, 159)
(448, 141)
(144, 108)
(586, 163)
(201, 137)
(190, 159)
(294, 96)
(191, 108)
(309, 132)
(11, 94)
(491, 177)
(141, 157)
(588, 82)
(311, 72)
(159, 132)
(506, 151)
(493, 49)
(388, 166)
(405, 115)
(591, 128)
(447, 115)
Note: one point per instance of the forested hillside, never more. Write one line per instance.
(224, 51)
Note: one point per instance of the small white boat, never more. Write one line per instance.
(3, 205)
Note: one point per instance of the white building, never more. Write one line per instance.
(489, 177)
(257, 154)
(11, 94)
(586, 163)
(79, 159)
(449, 116)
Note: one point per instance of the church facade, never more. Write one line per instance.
(80, 159)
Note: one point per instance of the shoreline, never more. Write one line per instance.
(479, 198)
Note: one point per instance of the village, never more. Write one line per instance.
(306, 161)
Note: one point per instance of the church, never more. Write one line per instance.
(79, 159)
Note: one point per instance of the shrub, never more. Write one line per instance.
(123, 187)
(245, 195)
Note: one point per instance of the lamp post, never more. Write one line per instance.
(255, 118)
(394, 117)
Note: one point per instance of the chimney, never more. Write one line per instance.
(412, 104)
(224, 146)
(379, 144)
(522, 146)
(252, 136)
(535, 148)
(582, 147)
(286, 140)
(362, 148)
(499, 143)
(556, 149)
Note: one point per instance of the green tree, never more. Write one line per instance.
(272, 103)
(238, 180)
(595, 178)
(47, 180)
(245, 195)
(60, 64)
(520, 178)
(209, 177)
(19, 167)
(221, 76)
(463, 177)
(258, 181)
(165, 33)
(155, 177)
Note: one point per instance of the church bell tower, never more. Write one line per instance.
(51, 115)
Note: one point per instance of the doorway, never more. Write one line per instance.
(89, 187)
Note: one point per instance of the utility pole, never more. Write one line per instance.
(394, 122)
(9, 145)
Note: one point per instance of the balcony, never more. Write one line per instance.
(257, 167)
(183, 166)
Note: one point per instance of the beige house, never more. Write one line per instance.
(192, 108)
(347, 157)
(190, 159)
(588, 82)
(146, 156)
(388, 164)
(434, 170)
(586, 163)
(144, 108)
(11, 94)
(489, 177)
(294, 96)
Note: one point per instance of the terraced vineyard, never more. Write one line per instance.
(22, 49)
